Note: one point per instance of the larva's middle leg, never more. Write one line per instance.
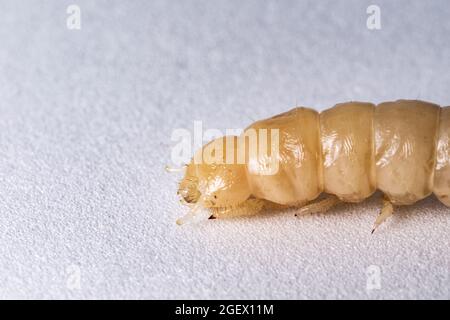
(320, 206)
(386, 212)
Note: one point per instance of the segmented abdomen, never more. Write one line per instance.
(352, 149)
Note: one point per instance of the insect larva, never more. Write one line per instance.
(401, 148)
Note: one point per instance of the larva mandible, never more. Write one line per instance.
(401, 148)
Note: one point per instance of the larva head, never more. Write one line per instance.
(214, 178)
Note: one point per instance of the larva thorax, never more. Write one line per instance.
(350, 151)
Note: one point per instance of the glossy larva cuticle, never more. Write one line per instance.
(401, 148)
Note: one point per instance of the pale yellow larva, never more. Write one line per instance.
(401, 148)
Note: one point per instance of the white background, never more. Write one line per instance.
(86, 118)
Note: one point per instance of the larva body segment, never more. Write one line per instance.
(401, 148)
(347, 132)
(442, 173)
(299, 177)
(406, 140)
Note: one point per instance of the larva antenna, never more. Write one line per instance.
(196, 214)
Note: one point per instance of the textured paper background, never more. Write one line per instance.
(85, 124)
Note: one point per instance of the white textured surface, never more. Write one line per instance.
(85, 124)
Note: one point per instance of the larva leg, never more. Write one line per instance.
(321, 206)
(249, 207)
(386, 212)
